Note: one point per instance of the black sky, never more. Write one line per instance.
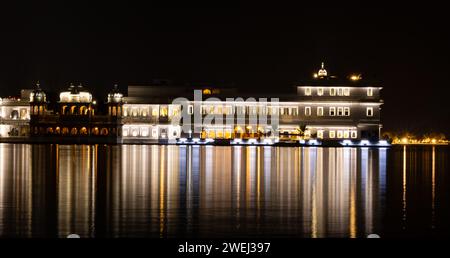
(405, 49)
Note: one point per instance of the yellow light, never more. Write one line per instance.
(315, 75)
(355, 77)
(433, 141)
(206, 92)
(404, 140)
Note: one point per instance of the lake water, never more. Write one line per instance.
(204, 191)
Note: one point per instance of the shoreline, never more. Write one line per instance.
(196, 142)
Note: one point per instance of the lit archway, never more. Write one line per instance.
(73, 110)
(74, 131)
(104, 131)
(95, 131)
(83, 131)
(238, 132)
(83, 110)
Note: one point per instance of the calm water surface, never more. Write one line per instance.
(192, 191)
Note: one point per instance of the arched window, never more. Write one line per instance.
(57, 130)
(95, 131)
(49, 130)
(74, 131)
(64, 110)
(73, 110)
(14, 114)
(65, 131)
(83, 110)
(238, 132)
(203, 134)
(104, 131)
(114, 111)
(83, 131)
(36, 111)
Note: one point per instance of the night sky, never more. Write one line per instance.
(406, 49)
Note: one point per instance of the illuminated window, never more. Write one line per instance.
(340, 134)
(144, 131)
(307, 133)
(308, 91)
(307, 111)
(281, 111)
(369, 111)
(346, 91)
(219, 134)
(163, 111)
(320, 134)
(346, 134)
(340, 111)
(83, 131)
(319, 111)
(155, 112)
(190, 110)
(354, 134)
(332, 111)
(346, 111)
(332, 91)
(340, 92)
(332, 134)
(144, 112)
(320, 91)
(155, 132)
(104, 131)
(369, 92)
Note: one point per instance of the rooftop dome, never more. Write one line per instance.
(38, 95)
(322, 72)
(75, 94)
(115, 96)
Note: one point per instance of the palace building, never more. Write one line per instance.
(325, 109)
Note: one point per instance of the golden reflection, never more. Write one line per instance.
(161, 193)
(404, 189)
(76, 184)
(166, 191)
(15, 189)
(433, 186)
(353, 196)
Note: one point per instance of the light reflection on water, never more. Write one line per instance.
(194, 191)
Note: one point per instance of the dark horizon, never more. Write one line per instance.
(406, 50)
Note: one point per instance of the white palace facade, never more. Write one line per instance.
(323, 110)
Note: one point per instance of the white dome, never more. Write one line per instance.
(75, 94)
